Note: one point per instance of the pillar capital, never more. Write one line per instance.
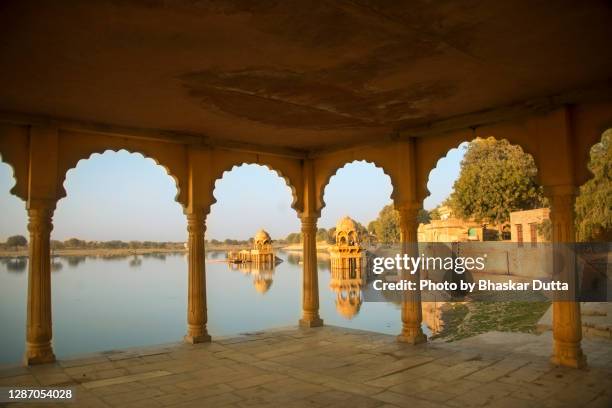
(408, 222)
(562, 199)
(560, 190)
(309, 222)
(40, 216)
(408, 205)
(196, 222)
(408, 217)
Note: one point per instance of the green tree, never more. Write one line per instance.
(496, 178)
(294, 238)
(594, 204)
(55, 244)
(16, 241)
(74, 243)
(331, 235)
(424, 216)
(434, 214)
(321, 234)
(386, 226)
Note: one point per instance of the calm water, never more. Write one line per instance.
(110, 303)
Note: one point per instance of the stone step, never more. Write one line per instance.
(596, 320)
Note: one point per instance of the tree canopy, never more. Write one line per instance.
(386, 226)
(496, 178)
(594, 204)
(16, 241)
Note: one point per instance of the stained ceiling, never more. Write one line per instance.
(298, 74)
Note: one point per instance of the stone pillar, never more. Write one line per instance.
(196, 291)
(39, 328)
(310, 277)
(412, 315)
(567, 325)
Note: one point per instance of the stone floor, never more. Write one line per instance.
(331, 366)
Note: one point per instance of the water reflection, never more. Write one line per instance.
(161, 256)
(294, 258)
(263, 274)
(17, 265)
(432, 316)
(56, 265)
(348, 284)
(113, 257)
(74, 260)
(135, 261)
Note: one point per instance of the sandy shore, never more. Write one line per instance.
(107, 252)
(321, 246)
(95, 252)
(6, 253)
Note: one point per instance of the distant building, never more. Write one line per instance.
(261, 253)
(445, 212)
(451, 229)
(347, 258)
(526, 225)
(347, 252)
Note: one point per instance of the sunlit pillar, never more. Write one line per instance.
(196, 291)
(39, 328)
(412, 315)
(567, 325)
(310, 278)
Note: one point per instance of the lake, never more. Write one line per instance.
(118, 302)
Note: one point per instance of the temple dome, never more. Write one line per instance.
(346, 224)
(262, 236)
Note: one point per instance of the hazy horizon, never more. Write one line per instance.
(118, 195)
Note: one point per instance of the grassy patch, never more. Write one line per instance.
(478, 315)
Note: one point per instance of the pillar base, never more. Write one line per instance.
(309, 323)
(204, 338)
(568, 355)
(38, 354)
(412, 336)
(197, 334)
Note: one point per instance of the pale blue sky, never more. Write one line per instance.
(119, 195)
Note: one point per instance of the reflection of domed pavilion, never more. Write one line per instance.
(347, 268)
(348, 292)
(262, 283)
(263, 274)
(258, 261)
(262, 252)
(347, 253)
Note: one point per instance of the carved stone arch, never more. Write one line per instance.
(288, 169)
(589, 122)
(14, 151)
(77, 147)
(430, 151)
(327, 167)
(517, 134)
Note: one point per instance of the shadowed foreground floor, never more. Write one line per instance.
(331, 366)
